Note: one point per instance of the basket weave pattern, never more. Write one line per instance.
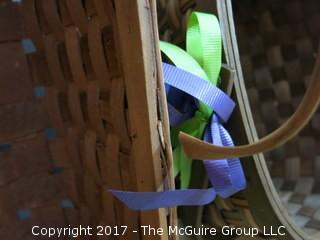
(65, 115)
(278, 42)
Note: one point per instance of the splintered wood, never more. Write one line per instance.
(81, 109)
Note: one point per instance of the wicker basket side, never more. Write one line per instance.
(76, 118)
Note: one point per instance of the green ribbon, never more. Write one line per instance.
(204, 43)
(203, 58)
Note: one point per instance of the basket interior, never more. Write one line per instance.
(278, 42)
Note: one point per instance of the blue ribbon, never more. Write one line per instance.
(200, 89)
(226, 175)
(165, 199)
(176, 117)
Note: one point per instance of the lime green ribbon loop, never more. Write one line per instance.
(182, 59)
(203, 58)
(204, 43)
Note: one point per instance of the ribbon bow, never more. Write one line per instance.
(196, 73)
(225, 175)
(203, 58)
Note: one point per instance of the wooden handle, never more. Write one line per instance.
(198, 149)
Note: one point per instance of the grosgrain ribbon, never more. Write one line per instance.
(206, 93)
(165, 199)
(204, 44)
(220, 171)
(200, 89)
(226, 176)
(203, 58)
(194, 126)
(183, 197)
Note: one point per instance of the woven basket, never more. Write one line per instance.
(278, 43)
(80, 113)
(74, 119)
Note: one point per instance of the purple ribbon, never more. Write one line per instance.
(177, 117)
(226, 175)
(200, 89)
(165, 199)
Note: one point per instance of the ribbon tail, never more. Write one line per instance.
(236, 171)
(226, 175)
(165, 199)
(217, 170)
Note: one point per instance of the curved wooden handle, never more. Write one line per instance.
(198, 149)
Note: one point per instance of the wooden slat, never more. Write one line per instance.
(140, 76)
(78, 15)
